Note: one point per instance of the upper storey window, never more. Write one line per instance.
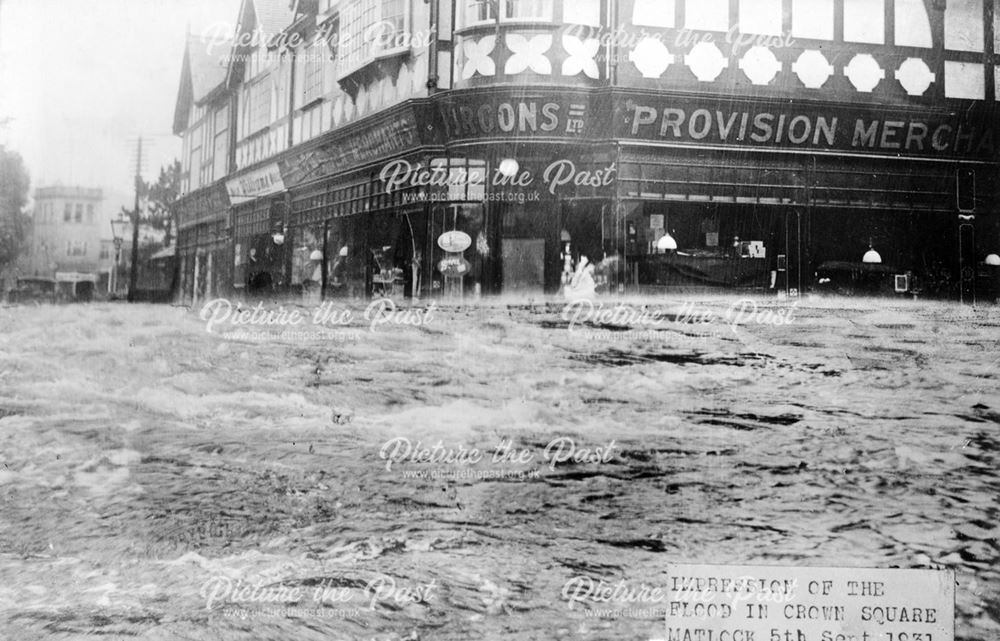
(588, 12)
(369, 30)
(654, 13)
(963, 25)
(864, 21)
(812, 19)
(761, 17)
(706, 15)
(478, 12)
(913, 28)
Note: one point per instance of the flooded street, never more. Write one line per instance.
(468, 477)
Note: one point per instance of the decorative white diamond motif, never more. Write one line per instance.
(915, 76)
(581, 55)
(812, 69)
(528, 54)
(651, 57)
(477, 57)
(705, 61)
(864, 72)
(760, 65)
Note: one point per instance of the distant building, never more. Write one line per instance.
(69, 240)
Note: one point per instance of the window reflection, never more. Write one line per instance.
(707, 15)
(963, 25)
(760, 17)
(812, 19)
(913, 28)
(864, 21)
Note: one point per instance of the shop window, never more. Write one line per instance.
(652, 13)
(470, 219)
(913, 28)
(812, 19)
(964, 80)
(760, 17)
(963, 25)
(707, 15)
(345, 257)
(466, 178)
(307, 258)
(864, 21)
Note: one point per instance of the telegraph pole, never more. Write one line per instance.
(134, 270)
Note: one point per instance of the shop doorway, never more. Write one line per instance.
(524, 265)
(263, 266)
(481, 257)
(586, 234)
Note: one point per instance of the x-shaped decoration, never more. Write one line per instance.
(528, 54)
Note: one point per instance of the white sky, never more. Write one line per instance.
(82, 79)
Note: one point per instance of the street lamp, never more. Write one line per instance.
(118, 228)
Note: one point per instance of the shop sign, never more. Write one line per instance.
(382, 139)
(561, 116)
(205, 204)
(805, 127)
(454, 266)
(454, 242)
(254, 184)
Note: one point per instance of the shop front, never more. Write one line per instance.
(517, 191)
(203, 245)
(259, 258)
(772, 196)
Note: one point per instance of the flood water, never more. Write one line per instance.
(159, 481)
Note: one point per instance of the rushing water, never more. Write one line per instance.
(158, 481)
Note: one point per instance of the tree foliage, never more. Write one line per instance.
(159, 198)
(14, 186)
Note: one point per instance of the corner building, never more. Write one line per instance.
(748, 144)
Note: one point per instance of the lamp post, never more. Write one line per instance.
(118, 226)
